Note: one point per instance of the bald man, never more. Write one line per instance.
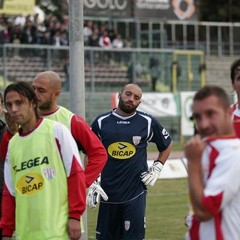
(125, 133)
(47, 86)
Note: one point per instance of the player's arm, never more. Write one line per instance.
(4, 144)
(193, 152)
(75, 173)
(163, 156)
(12, 128)
(164, 144)
(8, 203)
(75, 178)
(95, 151)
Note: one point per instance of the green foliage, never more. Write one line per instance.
(167, 205)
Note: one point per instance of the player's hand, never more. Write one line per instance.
(94, 192)
(12, 125)
(74, 229)
(150, 177)
(193, 149)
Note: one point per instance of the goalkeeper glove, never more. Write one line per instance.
(150, 177)
(93, 194)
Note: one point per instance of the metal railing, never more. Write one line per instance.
(106, 71)
(106, 68)
(214, 38)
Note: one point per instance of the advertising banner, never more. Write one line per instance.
(17, 7)
(108, 8)
(166, 9)
(186, 99)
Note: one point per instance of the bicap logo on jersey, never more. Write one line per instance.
(30, 184)
(121, 150)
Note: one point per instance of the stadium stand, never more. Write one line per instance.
(26, 68)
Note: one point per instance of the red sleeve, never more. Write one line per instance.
(97, 155)
(8, 213)
(4, 144)
(76, 191)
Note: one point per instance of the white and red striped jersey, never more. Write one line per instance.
(221, 169)
(236, 118)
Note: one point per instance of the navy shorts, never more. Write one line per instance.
(122, 221)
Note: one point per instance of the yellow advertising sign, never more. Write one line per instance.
(17, 7)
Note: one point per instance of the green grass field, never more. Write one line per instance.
(167, 205)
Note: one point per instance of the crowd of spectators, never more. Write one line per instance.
(103, 36)
(30, 30)
(52, 31)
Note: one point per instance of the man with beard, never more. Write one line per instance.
(125, 132)
(47, 86)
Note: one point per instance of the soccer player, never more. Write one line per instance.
(235, 77)
(44, 195)
(3, 128)
(11, 126)
(213, 168)
(125, 132)
(47, 86)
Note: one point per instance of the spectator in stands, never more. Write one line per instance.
(36, 20)
(130, 73)
(117, 43)
(105, 41)
(29, 30)
(60, 39)
(20, 20)
(45, 38)
(16, 33)
(135, 70)
(4, 33)
(94, 38)
(29, 33)
(110, 30)
(65, 23)
(154, 71)
(16, 40)
(87, 32)
(29, 36)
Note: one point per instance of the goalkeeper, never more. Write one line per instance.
(125, 133)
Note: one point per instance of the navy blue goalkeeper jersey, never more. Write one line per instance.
(126, 139)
